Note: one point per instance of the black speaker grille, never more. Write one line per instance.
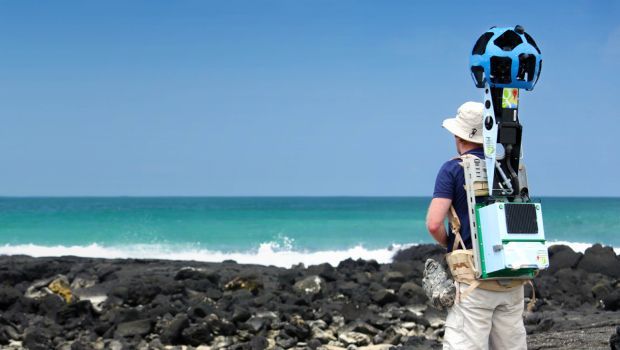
(521, 218)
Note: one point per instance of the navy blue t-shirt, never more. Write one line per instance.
(450, 183)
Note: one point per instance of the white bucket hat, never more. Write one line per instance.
(468, 122)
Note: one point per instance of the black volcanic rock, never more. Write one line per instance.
(410, 293)
(612, 301)
(562, 256)
(50, 304)
(8, 296)
(38, 338)
(240, 314)
(172, 333)
(393, 278)
(614, 340)
(197, 334)
(421, 343)
(384, 296)
(255, 324)
(141, 291)
(420, 253)
(258, 343)
(81, 310)
(149, 303)
(601, 259)
(8, 332)
(133, 328)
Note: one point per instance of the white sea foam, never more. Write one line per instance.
(267, 253)
(270, 253)
(577, 246)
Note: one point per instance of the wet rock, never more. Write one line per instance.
(311, 285)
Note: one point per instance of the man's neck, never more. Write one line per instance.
(468, 148)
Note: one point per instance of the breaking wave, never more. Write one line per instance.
(266, 254)
(270, 253)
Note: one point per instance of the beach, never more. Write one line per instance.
(91, 303)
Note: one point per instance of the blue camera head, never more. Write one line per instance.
(506, 57)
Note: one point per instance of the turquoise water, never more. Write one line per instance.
(303, 224)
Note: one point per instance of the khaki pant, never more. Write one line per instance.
(486, 320)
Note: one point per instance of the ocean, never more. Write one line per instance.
(279, 231)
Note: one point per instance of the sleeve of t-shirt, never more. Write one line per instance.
(444, 183)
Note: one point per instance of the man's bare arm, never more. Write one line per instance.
(437, 212)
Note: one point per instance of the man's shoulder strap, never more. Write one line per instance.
(455, 225)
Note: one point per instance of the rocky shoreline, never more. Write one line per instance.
(82, 303)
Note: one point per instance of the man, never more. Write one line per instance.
(484, 318)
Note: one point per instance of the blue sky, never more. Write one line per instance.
(288, 97)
